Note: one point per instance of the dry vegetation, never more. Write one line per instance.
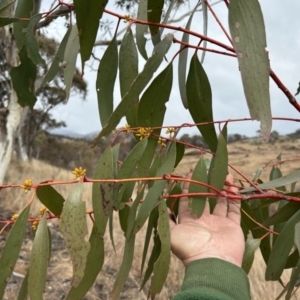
(245, 155)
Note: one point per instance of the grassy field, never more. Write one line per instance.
(246, 156)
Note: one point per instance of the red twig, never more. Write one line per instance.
(282, 87)
(218, 21)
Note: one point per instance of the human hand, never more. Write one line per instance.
(216, 235)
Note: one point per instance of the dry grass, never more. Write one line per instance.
(245, 156)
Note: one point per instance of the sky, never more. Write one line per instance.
(282, 24)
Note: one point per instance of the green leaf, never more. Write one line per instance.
(128, 252)
(205, 28)
(103, 193)
(282, 248)
(199, 99)
(5, 9)
(161, 266)
(52, 199)
(31, 42)
(251, 246)
(152, 106)
(153, 258)
(141, 30)
(94, 263)
(152, 223)
(182, 60)
(283, 214)
(297, 236)
(154, 10)
(73, 228)
(173, 204)
(247, 30)
(257, 232)
(23, 10)
(105, 82)
(6, 20)
(282, 181)
(88, 15)
(197, 203)
(293, 281)
(39, 262)
(10, 252)
(276, 173)
(153, 196)
(57, 60)
(292, 260)
(129, 164)
(23, 78)
(24, 289)
(70, 57)
(128, 70)
(138, 85)
(219, 165)
(111, 229)
(180, 149)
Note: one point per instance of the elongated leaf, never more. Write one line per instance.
(105, 83)
(167, 15)
(297, 236)
(292, 260)
(180, 149)
(152, 106)
(31, 42)
(138, 85)
(247, 30)
(128, 252)
(70, 57)
(205, 28)
(283, 214)
(152, 224)
(161, 266)
(58, 58)
(197, 204)
(199, 99)
(93, 266)
(155, 9)
(73, 228)
(173, 204)
(88, 15)
(153, 196)
(141, 30)
(251, 246)
(282, 181)
(103, 193)
(39, 262)
(111, 229)
(23, 78)
(6, 20)
(282, 248)
(219, 166)
(276, 173)
(128, 70)
(23, 10)
(293, 280)
(24, 289)
(153, 258)
(129, 165)
(12, 248)
(257, 232)
(5, 9)
(52, 199)
(182, 60)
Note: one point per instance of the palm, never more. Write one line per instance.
(212, 235)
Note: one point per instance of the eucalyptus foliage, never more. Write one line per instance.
(144, 94)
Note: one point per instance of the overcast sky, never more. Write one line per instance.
(283, 38)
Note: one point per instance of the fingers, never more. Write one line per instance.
(234, 208)
(221, 208)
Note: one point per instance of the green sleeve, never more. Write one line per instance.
(212, 279)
